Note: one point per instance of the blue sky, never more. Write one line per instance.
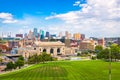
(98, 18)
(37, 7)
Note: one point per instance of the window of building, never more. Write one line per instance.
(34, 48)
(44, 50)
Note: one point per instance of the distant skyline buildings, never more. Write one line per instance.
(40, 34)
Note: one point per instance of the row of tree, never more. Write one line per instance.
(31, 60)
(40, 58)
(112, 52)
(19, 63)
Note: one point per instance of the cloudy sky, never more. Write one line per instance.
(97, 18)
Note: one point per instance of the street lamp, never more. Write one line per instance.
(109, 63)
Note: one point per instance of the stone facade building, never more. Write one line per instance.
(53, 48)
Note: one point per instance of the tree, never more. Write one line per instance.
(78, 54)
(33, 59)
(10, 65)
(19, 63)
(40, 58)
(36, 59)
(0, 50)
(46, 57)
(115, 51)
(1, 60)
(14, 66)
(98, 48)
(21, 58)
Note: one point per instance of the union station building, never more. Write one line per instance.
(53, 48)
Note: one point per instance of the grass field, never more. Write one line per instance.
(66, 70)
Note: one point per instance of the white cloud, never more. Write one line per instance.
(9, 21)
(77, 3)
(97, 18)
(7, 18)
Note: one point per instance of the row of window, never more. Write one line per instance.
(51, 50)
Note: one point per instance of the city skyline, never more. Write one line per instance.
(97, 18)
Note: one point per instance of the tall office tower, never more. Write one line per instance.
(47, 34)
(30, 35)
(60, 34)
(25, 35)
(35, 33)
(82, 36)
(67, 34)
(41, 34)
(38, 37)
(77, 36)
(9, 34)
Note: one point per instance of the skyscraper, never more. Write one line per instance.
(41, 34)
(30, 35)
(67, 35)
(25, 35)
(82, 36)
(77, 36)
(35, 33)
(60, 34)
(47, 34)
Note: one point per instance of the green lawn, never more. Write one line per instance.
(66, 70)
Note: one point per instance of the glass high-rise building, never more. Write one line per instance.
(35, 32)
(47, 34)
(41, 34)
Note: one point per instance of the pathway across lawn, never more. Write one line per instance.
(66, 70)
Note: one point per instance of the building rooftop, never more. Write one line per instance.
(57, 43)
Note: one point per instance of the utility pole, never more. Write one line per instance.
(109, 63)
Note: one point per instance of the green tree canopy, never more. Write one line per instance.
(19, 63)
(113, 52)
(10, 65)
(43, 57)
(98, 48)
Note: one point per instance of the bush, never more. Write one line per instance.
(78, 54)
(10, 66)
(93, 57)
(19, 63)
(40, 58)
(54, 59)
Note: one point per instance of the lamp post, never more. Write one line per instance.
(109, 63)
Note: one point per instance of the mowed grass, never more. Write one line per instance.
(66, 70)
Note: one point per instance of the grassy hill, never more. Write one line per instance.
(66, 70)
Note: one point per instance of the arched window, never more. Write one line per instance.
(34, 48)
(58, 51)
(44, 50)
(51, 51)
(40, 49)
